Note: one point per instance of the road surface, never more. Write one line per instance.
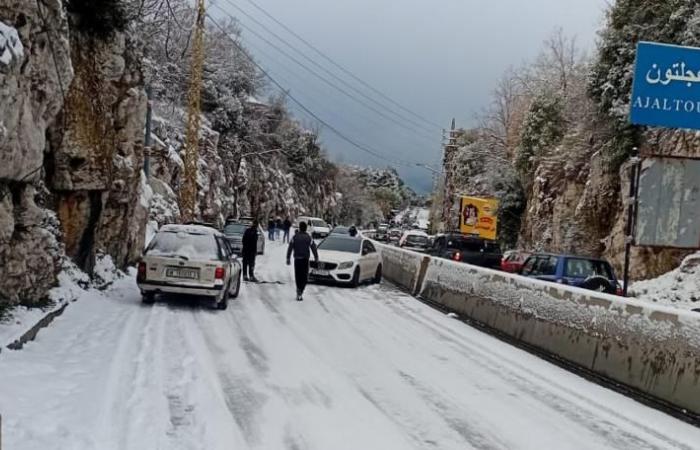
(345, 369)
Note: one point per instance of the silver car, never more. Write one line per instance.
(191, 260)
(234, 234)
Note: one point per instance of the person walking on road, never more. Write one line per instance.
(250, 251)
(278, 228)
(301, 245)
(286, 226)
(271, 229)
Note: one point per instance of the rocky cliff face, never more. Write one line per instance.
(71, 146)
(96, 152)
(35, 69)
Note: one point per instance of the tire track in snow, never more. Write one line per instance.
(604, 428)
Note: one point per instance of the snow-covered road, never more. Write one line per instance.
(345, 369)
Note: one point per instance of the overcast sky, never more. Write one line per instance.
(438, 58)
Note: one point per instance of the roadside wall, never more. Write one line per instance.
(648, 347)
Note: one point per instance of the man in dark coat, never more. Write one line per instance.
(271, 229)
(250, 251)
(286, 226)
(302, 245)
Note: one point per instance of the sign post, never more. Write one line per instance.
(664, 209)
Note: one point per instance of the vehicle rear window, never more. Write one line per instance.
(235, 228)
(416, 239)
(319, 223)
(348, 245)
(467, 245)
(584, 268)
(184, 245)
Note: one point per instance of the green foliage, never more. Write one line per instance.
(511, 206)
(99, 18)
(543, 129)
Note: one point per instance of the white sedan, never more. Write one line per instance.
(347, 260)
(191, 260)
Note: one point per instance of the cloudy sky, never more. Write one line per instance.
(438, 59)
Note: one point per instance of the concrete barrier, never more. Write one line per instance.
(651, 348)
(403, 267)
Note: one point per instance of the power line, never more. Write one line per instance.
(286, 80)
(354, 143)
(330, 73)
(325, 80)
(340, 67)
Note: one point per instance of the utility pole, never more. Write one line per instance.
(448, 167)
(188, 192)
(147, 139)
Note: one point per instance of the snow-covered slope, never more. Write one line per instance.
(679, 287)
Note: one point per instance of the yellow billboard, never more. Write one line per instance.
(478, 217)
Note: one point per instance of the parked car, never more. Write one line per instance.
(513, 261)
(191, 260)
(340, 229)
(395, 234)
(580, 271)
(346, 260)
(467, 249)
(382, 233)
(233, 230)
(317, 227)
(415, 239)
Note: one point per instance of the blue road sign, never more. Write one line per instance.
(666, 88)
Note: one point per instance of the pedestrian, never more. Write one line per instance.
(278, 227)
(301, 245)
(271, 229)
(286, 226)
(352, 231)
(250, 251)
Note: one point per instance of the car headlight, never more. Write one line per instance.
(346, 265)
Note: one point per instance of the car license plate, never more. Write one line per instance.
(189, 274)
(322, 273)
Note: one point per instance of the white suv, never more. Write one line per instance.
(192, 260)
(317, 227)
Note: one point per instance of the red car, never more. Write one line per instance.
(513, 261)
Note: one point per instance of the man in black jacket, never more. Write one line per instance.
(301, 245)
(250, 251)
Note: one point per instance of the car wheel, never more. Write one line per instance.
(598, 284)
(377, 275)
(238, 286)
(148, 297)
(355, 278)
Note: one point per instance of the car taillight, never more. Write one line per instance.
(141, 274)
(619, 291)
(457, 256)
(219, 273)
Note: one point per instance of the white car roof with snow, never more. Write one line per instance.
(192, 229)
(416, 233)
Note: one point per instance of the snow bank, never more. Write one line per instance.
(10, 45)
(679, 287)
(105, 272)
(652, 348)
(72, 283)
